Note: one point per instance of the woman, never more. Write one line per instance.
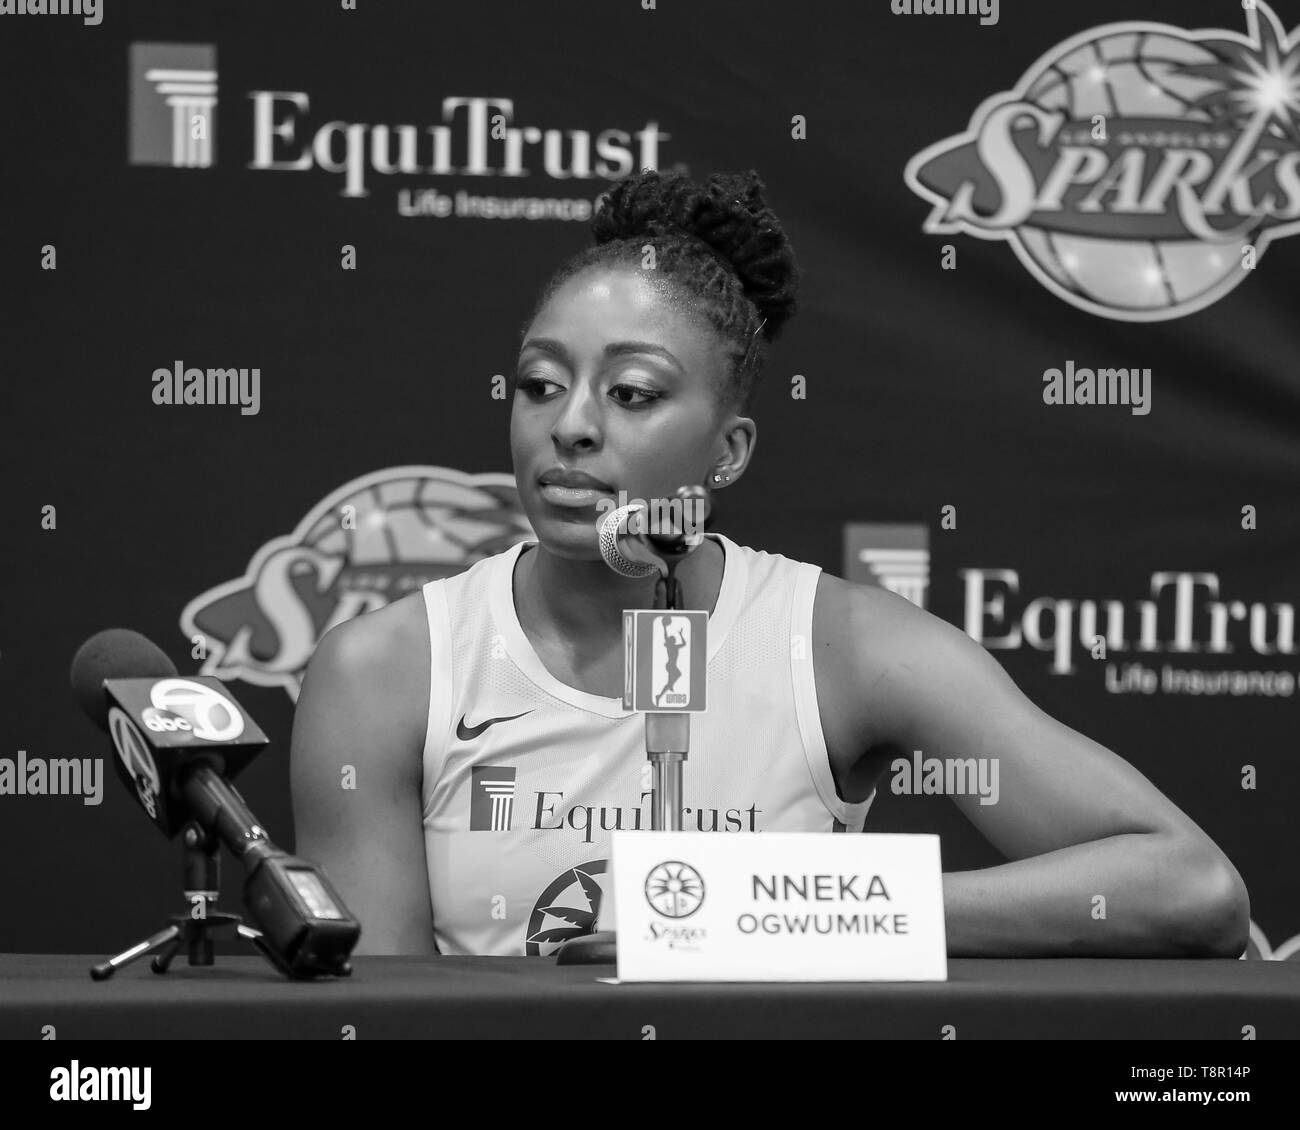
(482, 717)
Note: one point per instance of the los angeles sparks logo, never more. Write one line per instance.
(370, 542)
(1138, 170)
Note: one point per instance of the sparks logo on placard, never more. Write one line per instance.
(371, 541)
(133, 749)
(173, 95)
(491, 798)
(891, 556)
(1138, 170)
(674, 889)
(569, 907)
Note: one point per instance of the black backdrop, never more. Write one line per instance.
(924, 385)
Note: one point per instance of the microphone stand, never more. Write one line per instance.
(202, 882)
(667, 742)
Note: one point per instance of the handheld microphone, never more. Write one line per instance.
(640, 541)
(178, 741)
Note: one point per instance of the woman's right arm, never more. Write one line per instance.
(355, 767)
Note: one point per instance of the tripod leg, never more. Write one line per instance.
(106, 969)
(163, 958)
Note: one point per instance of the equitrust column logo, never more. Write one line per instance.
(491, 798)
(1138, 170)
(891, 556)
(173, 98)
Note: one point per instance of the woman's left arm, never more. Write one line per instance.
(1102, 863)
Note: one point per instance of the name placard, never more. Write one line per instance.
(696, 906)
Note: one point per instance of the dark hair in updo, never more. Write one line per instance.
(718, 245)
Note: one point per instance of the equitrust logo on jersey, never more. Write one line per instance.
(173, 98)
(1138, 170)
(491, 798)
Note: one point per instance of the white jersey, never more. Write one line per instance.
(525, 777)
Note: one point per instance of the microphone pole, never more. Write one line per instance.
(667, 733)
(668, 736)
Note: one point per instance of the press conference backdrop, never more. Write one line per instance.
(354, 206)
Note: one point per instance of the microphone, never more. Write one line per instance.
(634, 545)
(163, 727)
(178, 741)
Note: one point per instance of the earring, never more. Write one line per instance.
(723, 478)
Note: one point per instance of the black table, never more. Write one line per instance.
(502, 997)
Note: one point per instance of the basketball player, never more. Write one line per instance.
(482, 716)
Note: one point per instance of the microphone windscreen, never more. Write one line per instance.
(114, 653)
(609, 550)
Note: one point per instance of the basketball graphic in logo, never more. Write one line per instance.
(1138, 170)
(371, 541)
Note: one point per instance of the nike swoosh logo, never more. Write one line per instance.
(469, 733)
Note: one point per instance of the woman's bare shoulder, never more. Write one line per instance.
(387, 640)
(873, 621)
(861, 635)
(860, 618)
(383, 656)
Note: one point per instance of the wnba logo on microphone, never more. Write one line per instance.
(671, 662)
(1138, 170)
(667, 660)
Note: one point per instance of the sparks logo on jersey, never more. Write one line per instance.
(173, 93)
(371, 541)
(1138, 170)
(568, 908)
(491, 798)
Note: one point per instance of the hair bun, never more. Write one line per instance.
(729, 213)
